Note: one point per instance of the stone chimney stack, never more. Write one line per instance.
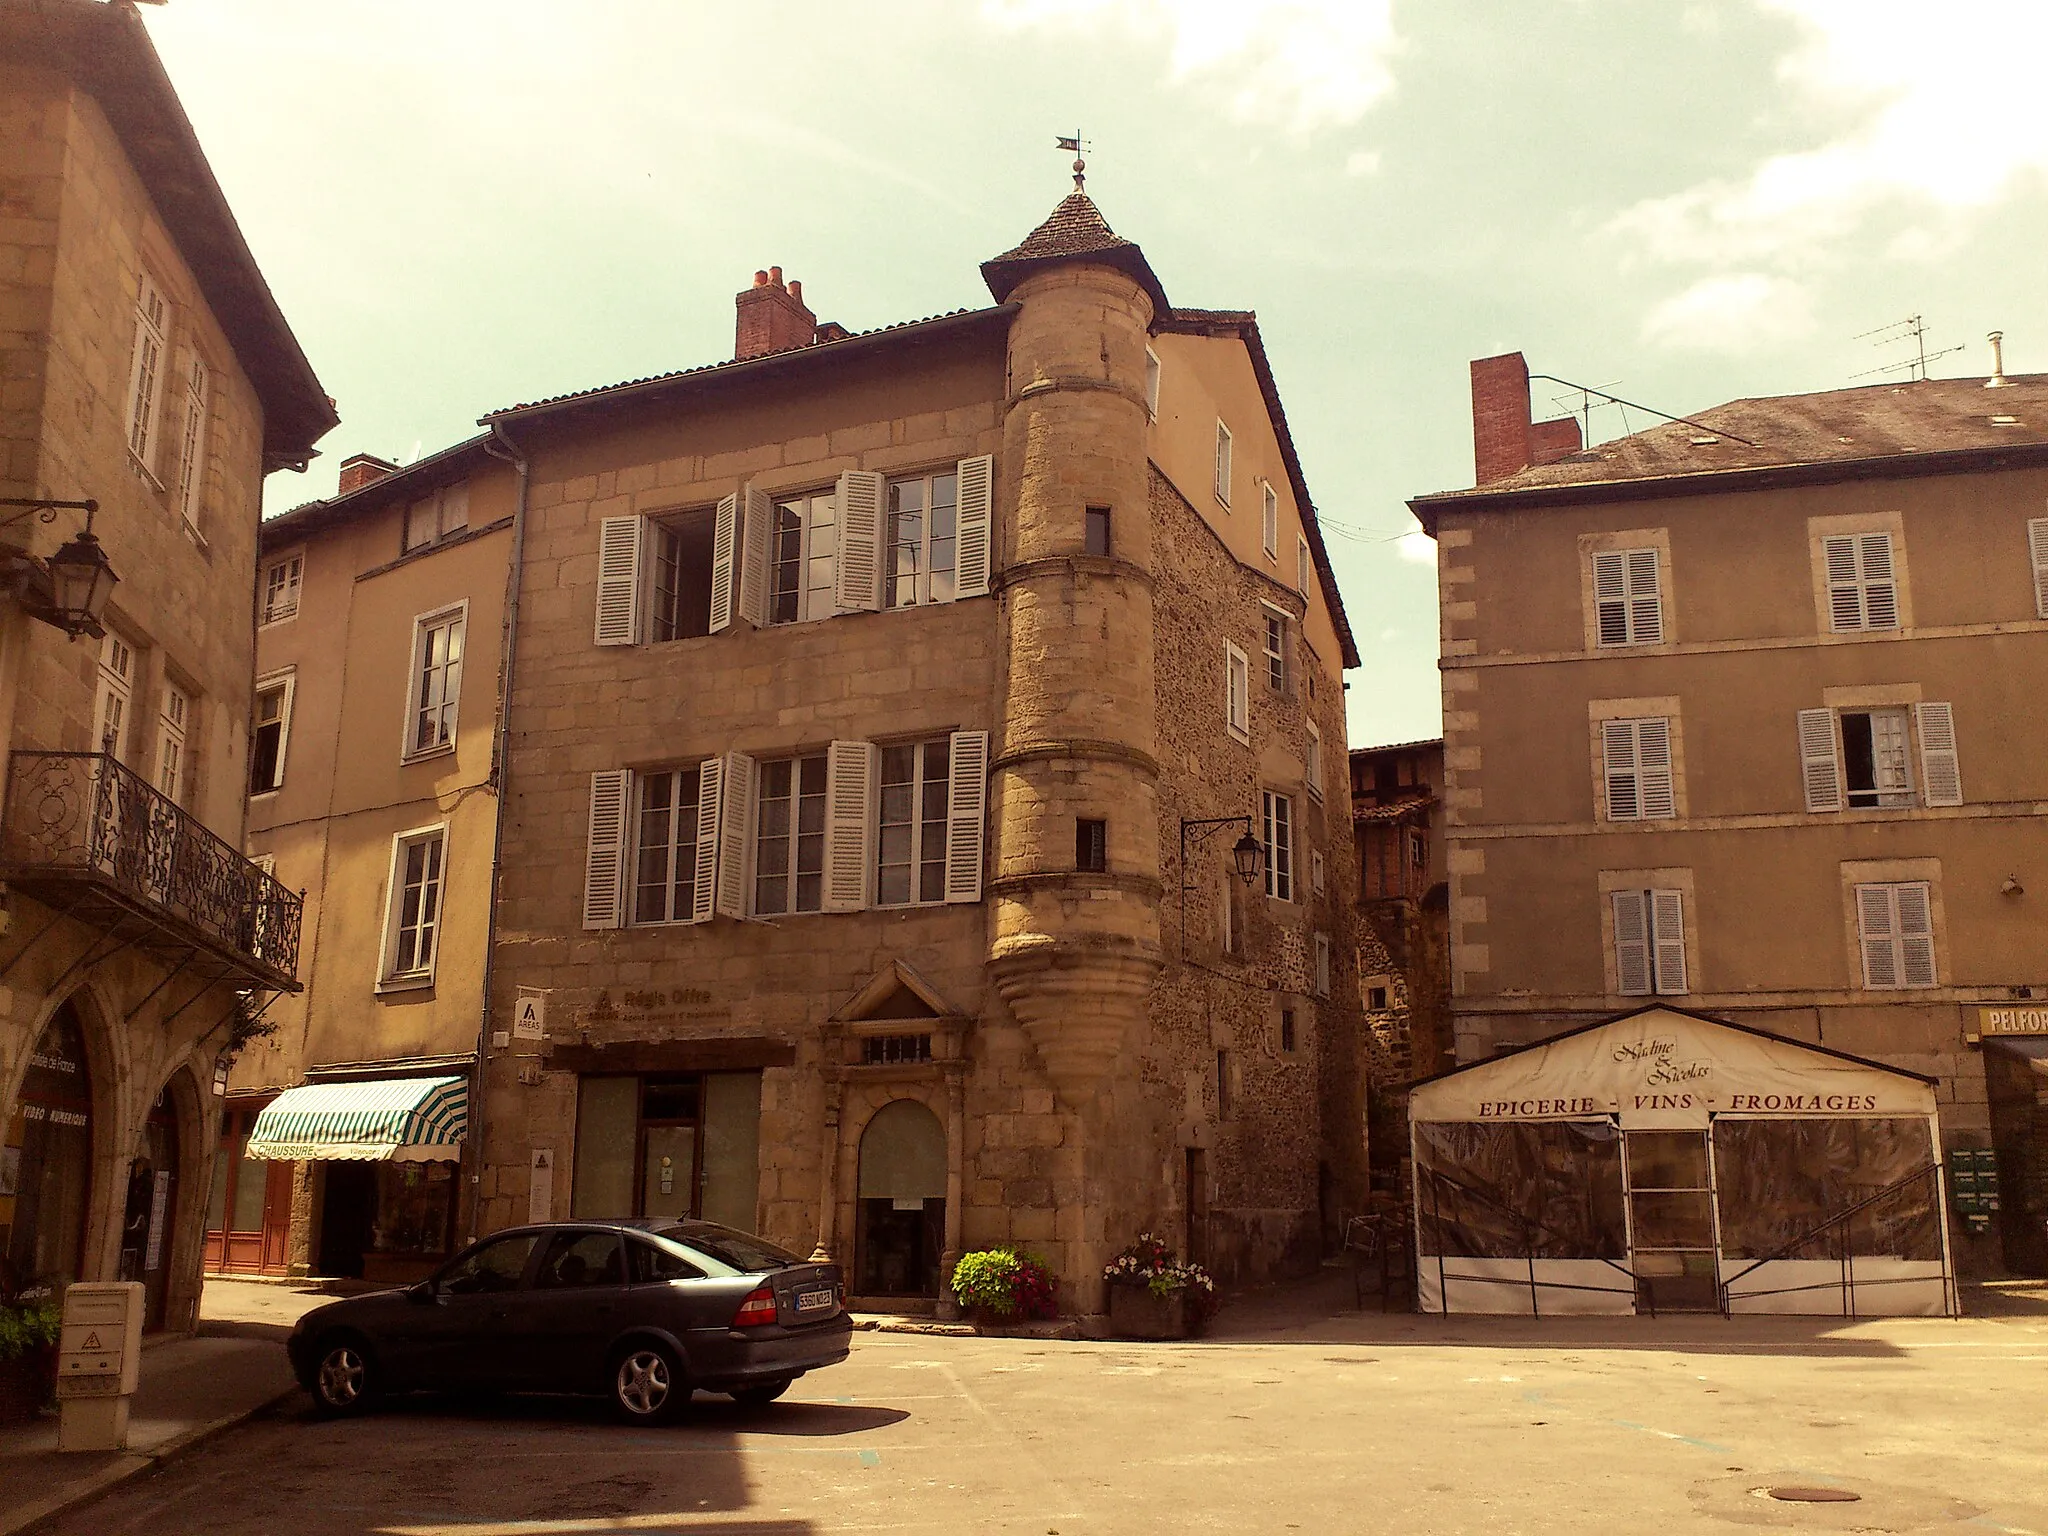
(1504, 440)
(359, 469)
(772, 318)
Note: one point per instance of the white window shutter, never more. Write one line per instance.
(710, 811)
(1845, 594)
(1645, 602)
(1304, 565)
(1880, 589)
(1618, 748)
(1653, 770)
(1941, 773)
(1916, 935)
(851, 776)
(977, 494)
(618, 580)
(724, 544)
(1632, 942)
(1667, 933)
(604, 864)
(1819, 766)
(757, 527)
(857, 583)
(1878, 932)
(2037, 552)
(1610, 596)
(966, 814)
(1314, 765)
(735, 819)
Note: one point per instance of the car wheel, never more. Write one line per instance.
(344, 1379)
(762, 1395)
(648, 1384)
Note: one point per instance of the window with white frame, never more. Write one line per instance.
(1314, 762)
(192, 441)
(1864, 758)
(1269, 522)
(665, 846)
(174, 709)
(1304, 565)
(281, 582)
(920, 540)
(2037, 555)
(1322, 965)
(1273, 645)
(270, 732)
(413, 926)
(116, 691)
(1649, 943)
(1863, 591)
(1237, 692)
(1223, 463)
(1151, 384)
(145, 369)
(1627, 597)
(1895, 927)
(789, 835)
(437, 516)
(1276, 826)
(1637, 759)
(803, 558)
(910, 859)
(436, 681)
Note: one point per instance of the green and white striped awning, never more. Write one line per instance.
(393, 1119)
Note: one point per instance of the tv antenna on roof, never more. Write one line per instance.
(1077, 144)
(1912, 329)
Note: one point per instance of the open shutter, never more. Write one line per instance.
(1880, 590)
(618, 580)
(2037, 551)
(1667, 934)
(1653, 770)
(710, 803)
(604, 863)
(1941, 775)
(977, 496)
(1610, 597)
(1845, 596)
(1875, 927)
(1916, 935)
(1818, 765)
(851, 775)
(1632, 942)
(757, 526)
(966, 814)
(857, 583)
(724, 542)
(1618, 747)
(735, 815)
(1645, 603)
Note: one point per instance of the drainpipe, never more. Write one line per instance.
(499, 446)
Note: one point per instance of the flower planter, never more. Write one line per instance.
(1135, 1313)
(25, 1383)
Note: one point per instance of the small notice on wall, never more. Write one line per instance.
(159, 1201)
(530, 1015)
(540, 1188)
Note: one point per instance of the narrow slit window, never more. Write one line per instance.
(1096, 535)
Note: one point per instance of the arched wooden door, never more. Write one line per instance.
(900, 1223)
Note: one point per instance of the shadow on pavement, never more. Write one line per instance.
(708, 1412)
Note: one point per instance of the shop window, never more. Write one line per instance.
(46, 1159)
(1520, 1190)
(415, 1209)
(677, 1145)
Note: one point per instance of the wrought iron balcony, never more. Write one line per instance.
(90, 838)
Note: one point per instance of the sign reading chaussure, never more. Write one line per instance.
(2013, 1019)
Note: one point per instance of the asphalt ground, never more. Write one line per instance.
(1303, 1419)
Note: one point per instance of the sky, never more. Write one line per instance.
(469, 203)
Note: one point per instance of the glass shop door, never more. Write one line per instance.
(1671, 1219)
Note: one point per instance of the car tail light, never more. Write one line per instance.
(758, 1310)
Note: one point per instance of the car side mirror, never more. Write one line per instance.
(422, 1294)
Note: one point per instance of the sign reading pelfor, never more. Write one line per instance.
(1664, 1068)
(2013, 1019)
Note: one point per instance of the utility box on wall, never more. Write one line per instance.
(99, 1358)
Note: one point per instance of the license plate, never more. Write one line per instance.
(815, 1301)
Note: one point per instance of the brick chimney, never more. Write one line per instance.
(359, 469)
(1504, 440)
(772, 318)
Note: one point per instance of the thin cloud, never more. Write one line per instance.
(1417, 546)
(1297, 64)
(1734, 312)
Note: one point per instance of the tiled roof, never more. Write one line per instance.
(1073, 231)
(1398, 810)
(1397, 746)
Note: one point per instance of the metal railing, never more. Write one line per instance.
(82, 816)
(1841, 1251)
(1530, 1228)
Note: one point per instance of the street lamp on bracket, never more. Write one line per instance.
(68, 591)
(1246, 855)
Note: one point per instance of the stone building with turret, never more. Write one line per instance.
(861, 694)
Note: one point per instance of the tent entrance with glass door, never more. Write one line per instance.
(1666, 1161)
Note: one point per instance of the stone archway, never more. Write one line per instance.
(174, 1144)
(900, 1211)
(49, 1156)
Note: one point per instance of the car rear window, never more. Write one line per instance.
(741, 1250)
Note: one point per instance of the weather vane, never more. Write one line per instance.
(1077, 144)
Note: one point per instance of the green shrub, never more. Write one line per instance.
(1005, 1284)
(28, 1327)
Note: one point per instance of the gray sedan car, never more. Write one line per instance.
(644, 1312)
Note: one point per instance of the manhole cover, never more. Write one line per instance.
(1813, 1495)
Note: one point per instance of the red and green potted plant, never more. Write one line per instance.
(1002, 1285)
(1154, 1294)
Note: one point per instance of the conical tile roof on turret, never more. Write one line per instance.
(1075, 231)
